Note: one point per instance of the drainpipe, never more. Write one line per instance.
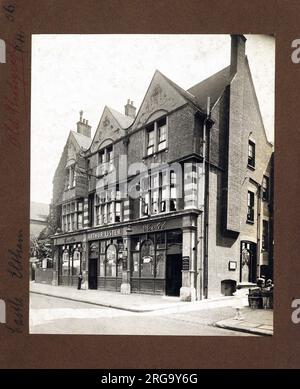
(258, 245)
(205, 191)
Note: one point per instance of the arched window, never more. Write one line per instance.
(147, 258)
(76, 268)
(111, 261)
(65, 263)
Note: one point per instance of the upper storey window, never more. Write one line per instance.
(265, 188)
(156, 136)
(158, 193)
(162, 134)
(72, 216)
(251, 154)
(70, 178)
(150, 140)
(105, 160)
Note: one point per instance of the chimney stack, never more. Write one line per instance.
(237, 58)
(130, 109)
(83, 126)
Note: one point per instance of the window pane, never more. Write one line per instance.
(65, 263)
(145, 204)
(265, 188)
(150, 138)
(150, 150)
(265, 235)
(164, 195)
(164, 178)
(251, 153)
(79, 220)
(118, 212)
(173, 178)
(154, 201)
(162, 132)
(250, 213)
(155, 180)
(162, 145)
(174, 237)
(147, 259)
(160, 240)
(135, 243)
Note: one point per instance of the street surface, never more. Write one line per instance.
(51, 315)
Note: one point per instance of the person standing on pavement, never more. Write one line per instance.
(79, 281)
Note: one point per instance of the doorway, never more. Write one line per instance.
(93, 273)
(173, 274)
(248, 262)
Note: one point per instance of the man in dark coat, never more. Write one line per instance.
(79, 281)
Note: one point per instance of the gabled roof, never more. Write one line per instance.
(123, 120)
(39, 211)
(185, 94)
(212, 86)
(82, 140)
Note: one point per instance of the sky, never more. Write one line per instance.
(86, 72)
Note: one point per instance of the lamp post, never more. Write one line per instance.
(125, 286)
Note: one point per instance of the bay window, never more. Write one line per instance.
(108, 207)
(158, 193)
(72, 216)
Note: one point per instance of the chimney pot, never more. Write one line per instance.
(83, 127)
(130, 109)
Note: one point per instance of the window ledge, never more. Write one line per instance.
(250, 221)
(156, 152)
(251, 167)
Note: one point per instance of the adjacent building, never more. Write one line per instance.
(175, 198)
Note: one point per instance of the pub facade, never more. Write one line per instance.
(175, 199)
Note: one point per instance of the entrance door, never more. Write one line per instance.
(173, 274)
(93, 273)
(248, 262)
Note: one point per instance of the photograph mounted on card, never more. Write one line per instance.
(152, 184)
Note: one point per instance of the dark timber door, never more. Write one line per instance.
(173, 274)
(93, 273)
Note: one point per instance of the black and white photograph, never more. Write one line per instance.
(152, 175)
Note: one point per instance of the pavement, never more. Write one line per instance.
(252, 321)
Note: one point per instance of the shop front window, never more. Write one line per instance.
(76, 268)
(135, 263)
(65, 263)
(102, 265)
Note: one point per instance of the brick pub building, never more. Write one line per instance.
(197, 225)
